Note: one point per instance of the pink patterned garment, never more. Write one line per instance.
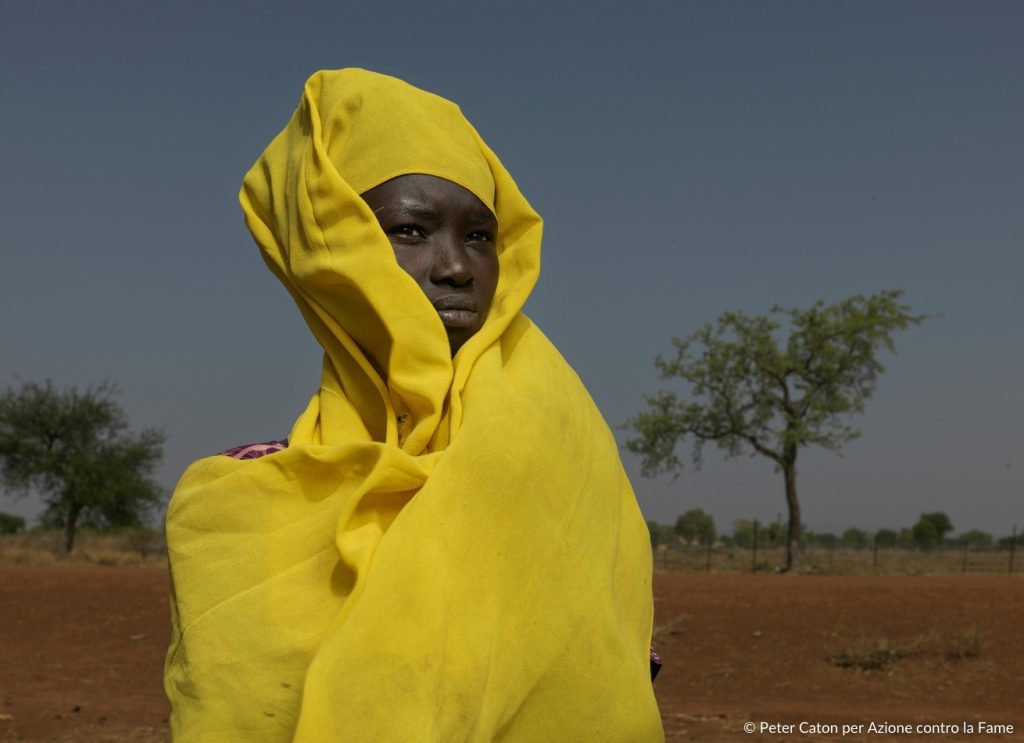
(255, 451)
(655, 664)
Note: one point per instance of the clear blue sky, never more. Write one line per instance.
(688, 158)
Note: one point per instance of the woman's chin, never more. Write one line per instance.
(457, 337)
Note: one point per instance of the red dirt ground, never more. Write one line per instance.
(746, 648)
(83, 650)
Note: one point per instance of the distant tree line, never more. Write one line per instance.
(695, 527)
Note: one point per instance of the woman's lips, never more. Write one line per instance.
(457, 318)
(457, 310)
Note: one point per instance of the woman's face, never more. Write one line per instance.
(446, 239)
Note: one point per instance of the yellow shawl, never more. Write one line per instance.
(448, 550)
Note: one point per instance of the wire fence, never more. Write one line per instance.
(942, 560)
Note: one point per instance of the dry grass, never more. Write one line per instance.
(130, 547)
(875, 653)
(673, 627)
(965, 644)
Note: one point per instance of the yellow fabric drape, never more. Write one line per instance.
(449, 549)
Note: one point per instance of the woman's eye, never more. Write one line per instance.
(481, 236)
(407, 231)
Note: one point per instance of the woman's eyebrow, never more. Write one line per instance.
(482, 218)
(418, 211)
(408, 208)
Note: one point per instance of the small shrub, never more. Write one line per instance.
(11, 524)
(875, 653)
(965, 644)
(865, 658)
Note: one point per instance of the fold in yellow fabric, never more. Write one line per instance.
(448, 549)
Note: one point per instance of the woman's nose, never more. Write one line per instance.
(451, 262)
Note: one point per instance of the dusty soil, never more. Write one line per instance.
(764, 649)
(83, 648)
(82, 652)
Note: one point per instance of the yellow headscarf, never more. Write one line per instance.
(448, 550)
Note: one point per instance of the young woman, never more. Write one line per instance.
(446, 548)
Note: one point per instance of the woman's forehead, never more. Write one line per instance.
(427, 197)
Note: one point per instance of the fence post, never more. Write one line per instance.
(1013, 547)
(753, 560)
(709, 557)
(963, 565)
(874, 556)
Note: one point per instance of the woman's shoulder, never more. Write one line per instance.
(255, 451)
